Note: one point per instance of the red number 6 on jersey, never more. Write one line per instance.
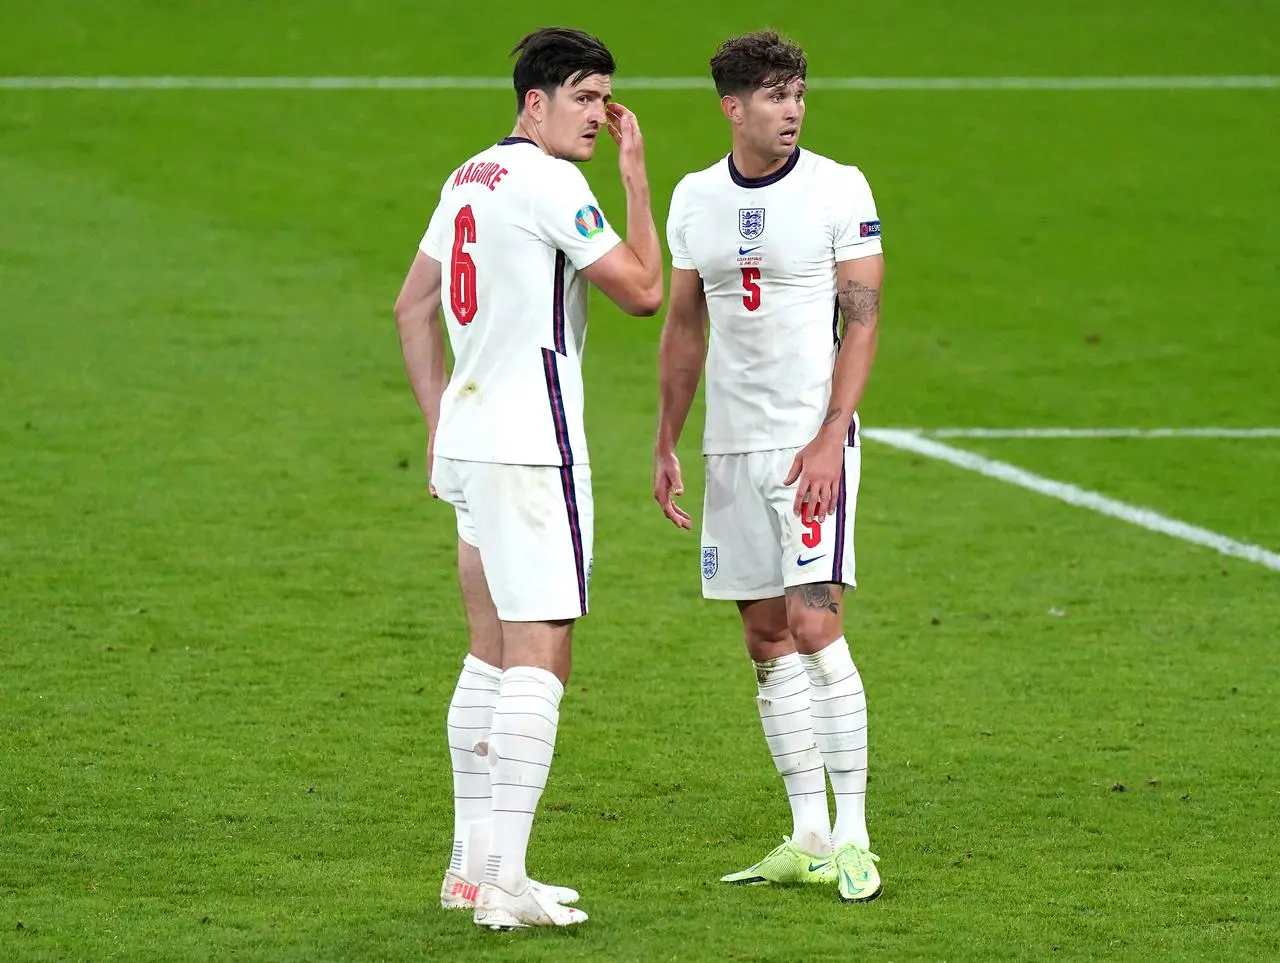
(751, 284)
(462, 273)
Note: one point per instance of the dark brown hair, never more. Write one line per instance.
(744, 64)
(552, 55)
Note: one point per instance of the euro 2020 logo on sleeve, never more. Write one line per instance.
(751, 222)
(710, 561)
(589, 221)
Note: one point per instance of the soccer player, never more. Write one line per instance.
(771, 245)
(508, 253)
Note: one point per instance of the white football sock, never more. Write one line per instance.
(839, 709)
(783, 702)
(521, 744)
(470, 716)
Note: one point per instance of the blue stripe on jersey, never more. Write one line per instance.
(575, 533)
(556, 399)
(854, 427)
(557, 305)
(837, 559)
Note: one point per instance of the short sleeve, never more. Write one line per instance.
(569, 217)
(676, 243)
(857, 225)
(435, 243)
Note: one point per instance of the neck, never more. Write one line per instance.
(524, 128)
(752, 164)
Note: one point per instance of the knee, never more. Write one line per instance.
(813, 631)
(768, 642)
(767, 635)
(765, 629)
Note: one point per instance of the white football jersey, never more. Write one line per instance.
(513, 229)
(766, 249)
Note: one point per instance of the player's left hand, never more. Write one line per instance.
(624, 128)
(614, 120)
(816, 472)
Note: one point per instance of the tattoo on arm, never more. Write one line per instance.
(833, 414)
(818, 596)
(859, 303)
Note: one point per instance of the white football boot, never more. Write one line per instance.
(497, 909)
(457, 892)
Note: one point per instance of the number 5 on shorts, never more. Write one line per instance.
(813, 533)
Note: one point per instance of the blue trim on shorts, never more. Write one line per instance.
(575, 533)
(837, 560)
(560, 421)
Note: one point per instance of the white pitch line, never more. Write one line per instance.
(1072, 495)
(1247, 82)
(1097, 432)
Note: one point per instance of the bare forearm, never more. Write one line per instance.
(860, 305)
(680, 357)
(642, 233)
(853, 371)
(422, 343)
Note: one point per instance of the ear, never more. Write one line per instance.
(732, 108)
(535, 104)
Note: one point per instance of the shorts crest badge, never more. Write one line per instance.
(710, 561)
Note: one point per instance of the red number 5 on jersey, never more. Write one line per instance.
(751, 284)
(462, 274)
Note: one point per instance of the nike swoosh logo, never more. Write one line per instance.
(853, 890)
(747, 250)
(808, 561)
(814, 869)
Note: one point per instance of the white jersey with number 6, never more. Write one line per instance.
(513, 229)
(766, 249)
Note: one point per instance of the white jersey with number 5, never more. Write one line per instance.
(766, 249)
(513, 229)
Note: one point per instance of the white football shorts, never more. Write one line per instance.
(753, 544)
(533, 525)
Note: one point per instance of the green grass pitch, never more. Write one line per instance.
(229, 623)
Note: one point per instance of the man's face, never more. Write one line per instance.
(574, 118)
(771, 118)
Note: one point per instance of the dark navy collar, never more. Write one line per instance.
(768, 179)
(508, 141)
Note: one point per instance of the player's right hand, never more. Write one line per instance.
(624, 128)
(667, 485)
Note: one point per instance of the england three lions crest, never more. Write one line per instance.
(710, 561)
(750, 222)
